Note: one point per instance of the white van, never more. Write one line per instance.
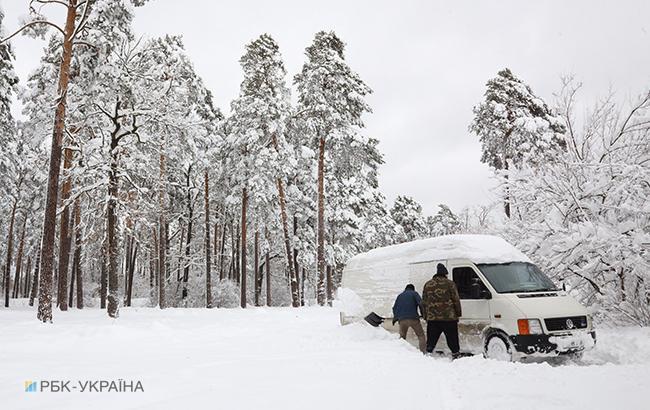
(511, 310)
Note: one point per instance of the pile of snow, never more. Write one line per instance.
(476, 248)
(284, 358)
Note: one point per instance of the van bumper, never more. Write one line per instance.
(553, 344)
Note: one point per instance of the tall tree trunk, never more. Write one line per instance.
(153, 262)
(103, 278)
(267, 268)
(131, 270)
(186, 259)
(256, 267)
(19, 260)
(320, 252)
(10, 249)
(64, 234)
(296, 266)
(222, 250)
(111, 215)
(237, 272)
(73, 275)
(302, 283)
(180, 254)
(215, 241)
(244, 270)
(28, 271)
(162, 228)
(293, 274)
(49, 221)
(37, 266)
(208, 261)
(128, 248)
(76, 262)
(329, 285)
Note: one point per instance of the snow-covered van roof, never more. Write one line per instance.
(476, 248)
(371, 280)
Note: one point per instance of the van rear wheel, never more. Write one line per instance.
(497, 348)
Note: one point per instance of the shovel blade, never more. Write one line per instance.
(374, 319)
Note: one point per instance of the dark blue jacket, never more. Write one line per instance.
(406, 305)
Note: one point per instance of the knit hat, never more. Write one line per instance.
(441, 270)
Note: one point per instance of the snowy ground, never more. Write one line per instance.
(284, 358)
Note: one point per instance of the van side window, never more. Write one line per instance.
(464, 277)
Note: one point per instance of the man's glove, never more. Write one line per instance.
(394, 321)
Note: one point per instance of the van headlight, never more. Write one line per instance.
(530, 327)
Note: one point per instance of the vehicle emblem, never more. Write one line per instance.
(569, 324)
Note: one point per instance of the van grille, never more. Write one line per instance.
(566, 323)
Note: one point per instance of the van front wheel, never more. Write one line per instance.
(497, 348)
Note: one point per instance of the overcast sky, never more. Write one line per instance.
(427, 62)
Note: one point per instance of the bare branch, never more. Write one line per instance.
(623, 129)
(83, 21)
(30, 24)
(50, 2)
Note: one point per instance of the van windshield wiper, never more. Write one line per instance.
(542, 290)
(530, 290)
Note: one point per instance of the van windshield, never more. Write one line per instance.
(516, 277)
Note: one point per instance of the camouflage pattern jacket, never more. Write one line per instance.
(440, 299)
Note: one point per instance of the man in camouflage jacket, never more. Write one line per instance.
(441, 310)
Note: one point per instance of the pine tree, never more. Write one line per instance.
(445, 222)
(257, 132)
(8, 82)
(516, 126)
(75, 28)
(407, 213)
(331, 104)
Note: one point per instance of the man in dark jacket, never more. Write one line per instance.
(405, 311)
(441, 310)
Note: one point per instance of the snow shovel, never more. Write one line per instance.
(374, 319)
